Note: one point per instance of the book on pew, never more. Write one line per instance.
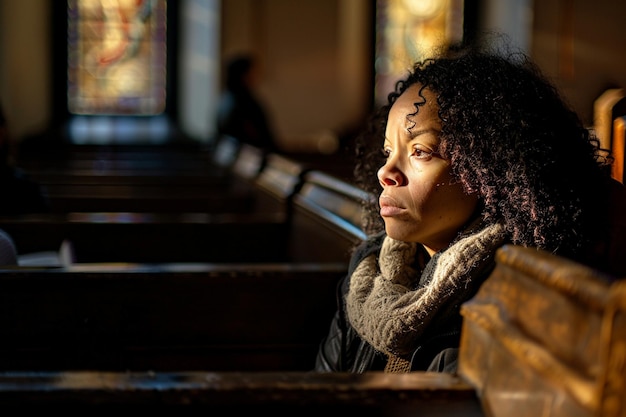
(63, 257)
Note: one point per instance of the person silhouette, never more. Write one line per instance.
(240, 112)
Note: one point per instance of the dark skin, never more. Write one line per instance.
(420, 201)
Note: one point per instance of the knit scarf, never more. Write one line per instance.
(390, 303)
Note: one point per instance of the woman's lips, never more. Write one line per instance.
(389, 207)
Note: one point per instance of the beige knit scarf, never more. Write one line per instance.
(388, 308)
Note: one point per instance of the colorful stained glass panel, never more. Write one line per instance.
(116, 57)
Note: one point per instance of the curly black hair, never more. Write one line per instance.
(512, 138)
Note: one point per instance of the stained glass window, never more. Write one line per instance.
(408, 31)
(116, 57)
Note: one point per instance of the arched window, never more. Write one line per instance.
(117, 57)
(121, 67)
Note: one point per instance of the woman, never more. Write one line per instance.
(479, 150)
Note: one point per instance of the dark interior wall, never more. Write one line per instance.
(316, 63)
(582, 46)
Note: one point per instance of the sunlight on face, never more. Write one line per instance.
(420, 202)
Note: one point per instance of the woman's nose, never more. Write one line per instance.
(389, 176)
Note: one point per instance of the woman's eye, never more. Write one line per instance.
(386, 152)
(422, 154)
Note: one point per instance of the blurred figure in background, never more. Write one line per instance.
(240, 113)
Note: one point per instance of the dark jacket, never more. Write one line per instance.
(342, 350)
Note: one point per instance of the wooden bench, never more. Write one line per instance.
(253, 234)
(210, 337)
(236, 393)
(148, 180)
(152, 237)
(113, 164)
(330, 210)
(148, 198)
(546, 336)
(113, 159)
(189, 316)
(299, 216)
(204, 186)
(165, 317)
(543, 336)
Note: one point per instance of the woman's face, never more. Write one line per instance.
(420, 202)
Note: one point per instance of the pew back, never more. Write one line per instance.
(144, 179)
(545, 336)
(245, 223)
(153, 237)
(297, 216)
(168, 317)
(329, 210)
(250, 393)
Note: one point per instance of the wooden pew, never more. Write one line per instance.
(135, 165)
(278, 181)
(546, 336)
(207, 338)
(147, 198)
(153, 237)
(165, 317)
(241, 169)
(135, 179)
(204, 186)
(218, 338)
(300, 216)
(250, 234)
(330, 210)
(123, 159)
(235, 393)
